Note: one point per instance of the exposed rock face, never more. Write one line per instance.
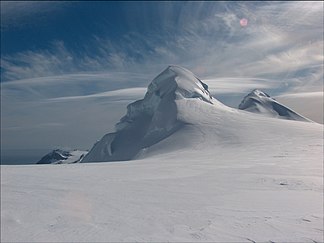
(59, 156)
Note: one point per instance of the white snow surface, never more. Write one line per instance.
(225, 175)
(259, 102)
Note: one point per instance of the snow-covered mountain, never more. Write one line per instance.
(259, 102)
(153, 118)
(59, 156)
(175, 101)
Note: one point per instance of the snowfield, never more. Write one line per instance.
(209, 174)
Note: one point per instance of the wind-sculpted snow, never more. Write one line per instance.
(151, 119)
(260, 102)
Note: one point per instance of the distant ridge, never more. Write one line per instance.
(259, 102)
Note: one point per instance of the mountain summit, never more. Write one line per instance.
(259, 102)
(152, 118)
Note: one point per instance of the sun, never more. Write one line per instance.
(244, 22)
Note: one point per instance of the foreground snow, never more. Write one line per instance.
(263, 183)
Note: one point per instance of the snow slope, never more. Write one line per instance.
(59, 156)
(310, 104)
(260, 102)
(225, 175)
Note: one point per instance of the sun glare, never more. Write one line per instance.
(244, 22)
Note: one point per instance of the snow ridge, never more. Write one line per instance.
(173, 83)
(259, 102)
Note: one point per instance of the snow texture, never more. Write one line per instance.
(259, 102)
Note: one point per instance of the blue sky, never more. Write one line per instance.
(54, 51)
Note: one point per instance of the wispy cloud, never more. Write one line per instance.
(281, 39)
(72, 85)
(120, 94)
(40, 63)
(34, 126)
(236, 85)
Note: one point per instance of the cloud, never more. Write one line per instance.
(228, 85)
(34, 126)
(18, 14)
(120, 94)
(73, 85)
(273, 45)
(40, 63)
